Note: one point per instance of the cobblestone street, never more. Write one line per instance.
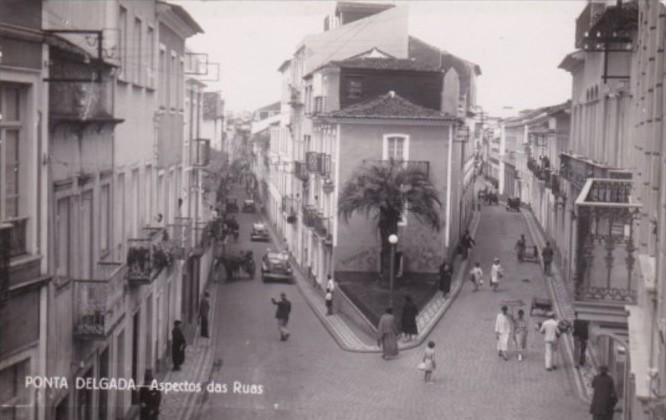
(310, 377)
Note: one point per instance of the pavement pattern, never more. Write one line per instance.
(310, 377)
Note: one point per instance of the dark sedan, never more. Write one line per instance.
(249, 206)
(259, 233)
(275, 266)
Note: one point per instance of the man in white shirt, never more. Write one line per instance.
(503, 332)
(551, 333)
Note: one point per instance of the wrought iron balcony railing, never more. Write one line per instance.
(17, 236)
(421, 165)
(606, 266)
(325, 164)
(321, 225)
(309, 215)
(99, 301)
(300, 170)
(313, 161)
(148, 256)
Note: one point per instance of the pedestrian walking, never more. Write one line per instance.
(604, 397)
(466, 242)
(496, 273)
(547, 254)
(408, 321)
(387, 335)
(476, 276)
(178, 345)
(330, 283)
(580, 335)
(282, 315)
(329, 302)
(204, 310)
(503, 326)
(520, 334)
(550, 329)
(150, 398)
(428, 363)
(521, 245)
(445, 274)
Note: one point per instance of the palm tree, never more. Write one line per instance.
(381, 191)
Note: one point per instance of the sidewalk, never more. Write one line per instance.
(563, 304)
(351, 339)
(196, 369)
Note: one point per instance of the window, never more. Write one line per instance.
(150, 65)
(10, 150)
(122, 41)
(396, 147)
(104, 219)
(134, 203)
(119, 201)
(163, 74)
(354, 87)
(62, 239)
(180, 81)
(14, 397)
(148, 196)
(138, 41)
(173, 81)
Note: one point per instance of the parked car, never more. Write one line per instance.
(259, 233)
(275, 266)
(249, 206)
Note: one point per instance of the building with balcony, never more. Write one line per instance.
(343, 103)
(212, 126)
(612, 176)
(24, 222)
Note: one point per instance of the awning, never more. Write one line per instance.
(639, 344)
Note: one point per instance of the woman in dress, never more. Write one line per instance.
(520, 333)
(429, 361)
(409, 313)
(445, 274)
(387, 335)
(496, 273)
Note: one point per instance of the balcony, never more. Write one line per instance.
(420, 165)
(148, 256)
(99, 301)
(313, 162)
(324, 164)
(309, 216)
(321, 225)
(17, 236)
(180, 235)
(300, 170)
(577, 169)
(606, 270)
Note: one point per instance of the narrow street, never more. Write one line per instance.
(310, 377)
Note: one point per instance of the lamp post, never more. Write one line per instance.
(393, 240)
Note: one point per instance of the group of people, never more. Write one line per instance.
(547, 253)
(496, 273)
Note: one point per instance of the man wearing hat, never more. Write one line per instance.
(178, 345)
(549, 328)
(604, 397)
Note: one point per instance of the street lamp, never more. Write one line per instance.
(393, 240)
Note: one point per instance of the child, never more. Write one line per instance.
(476, 275)
(429, 361)
(329, 302)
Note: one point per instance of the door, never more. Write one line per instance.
(102, 407)
(85, 400)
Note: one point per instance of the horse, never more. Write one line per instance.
(233, 264)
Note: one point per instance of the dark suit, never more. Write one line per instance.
(603, 398)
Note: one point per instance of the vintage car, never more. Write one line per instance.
(259, 233)
(249, 206)
(275, 266)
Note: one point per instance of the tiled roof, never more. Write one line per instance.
(427, 54)
(384, 64)
(389, 106)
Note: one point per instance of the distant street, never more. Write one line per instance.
(310, 377)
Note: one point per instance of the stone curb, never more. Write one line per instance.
(539, 239)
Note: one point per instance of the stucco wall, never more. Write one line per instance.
(358, 243)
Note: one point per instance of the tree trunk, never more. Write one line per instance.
(388, 225)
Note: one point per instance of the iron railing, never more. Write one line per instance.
(99, 301)
(420, 165)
